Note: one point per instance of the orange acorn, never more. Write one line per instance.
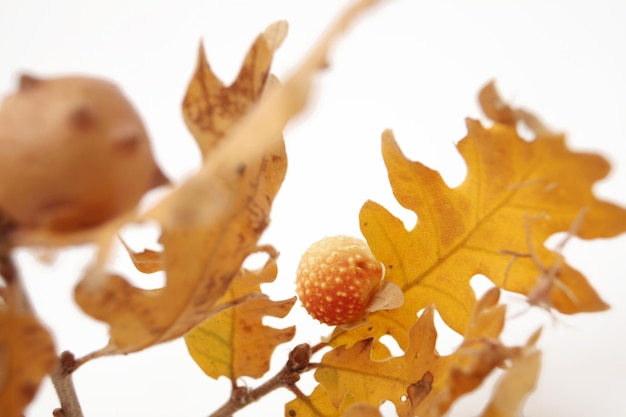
(337, 279)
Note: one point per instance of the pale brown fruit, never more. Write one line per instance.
(73, 154)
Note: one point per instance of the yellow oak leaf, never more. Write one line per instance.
(352, 370)
(516, 194)
(420, 382)
(317, 404)
(212, 221)
(361, 410)
(234, 342)
(26, 355)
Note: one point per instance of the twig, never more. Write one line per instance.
(539, 295)
(64, 386)
(298, 362)
(14, 295)
(7, 268)
(318, 347)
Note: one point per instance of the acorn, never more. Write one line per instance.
(337, 279)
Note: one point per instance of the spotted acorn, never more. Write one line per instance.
(337, 279)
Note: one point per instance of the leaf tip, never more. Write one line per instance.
(387, 135)
(494, 107)
(275, 34)
(201, 51)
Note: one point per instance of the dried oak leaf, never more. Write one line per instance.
(200, 260)
(212, 221)
(202, 198)
(147, 261)
(476, 358)
(234, 342)
(210, 109)
(517, 382)
(475, 227)
(420, 382)
(26, 355)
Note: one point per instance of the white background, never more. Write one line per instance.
(413, 66)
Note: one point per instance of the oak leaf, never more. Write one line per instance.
(480, 353)
(361, 410)
(26, 355)
(210, 108)
(475, 227)
(317, 404)
(517, 382)
(200, 260)
(420, 382)
(212, 221)
(352, 370)
(234, 342)
(147, 261)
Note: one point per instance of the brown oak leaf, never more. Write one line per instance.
(26, 355)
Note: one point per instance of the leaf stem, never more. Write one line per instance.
(109, 349)
(64, 386)
(287, 377)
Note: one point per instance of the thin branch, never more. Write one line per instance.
(318, 347)
(7, 268)
(13, 295)
(64, 386)
(539, 295)
(287, 377)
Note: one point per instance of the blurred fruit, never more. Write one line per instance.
(73, 154)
